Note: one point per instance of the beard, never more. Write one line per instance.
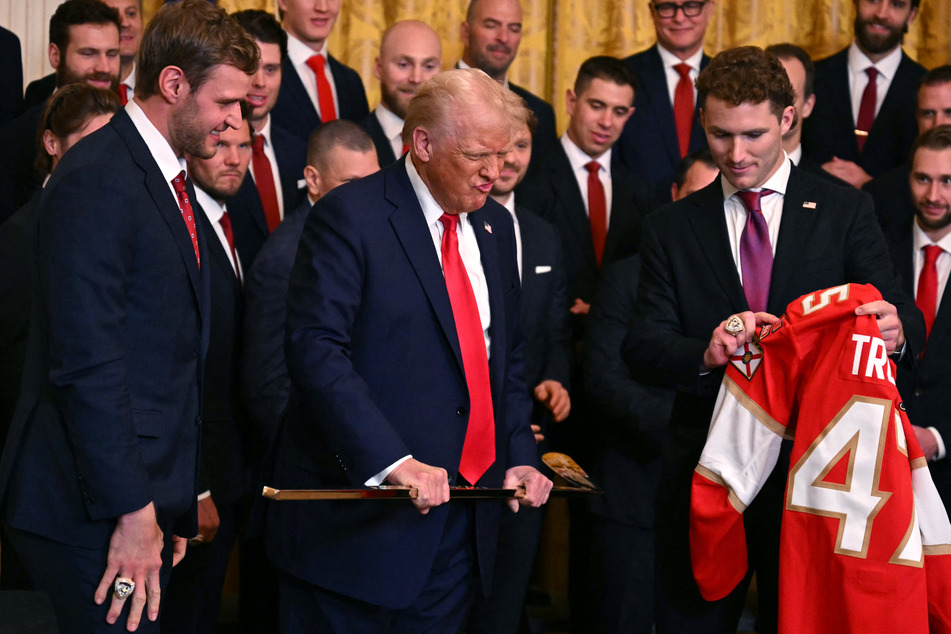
(187, 135)
(66, 76)
(936, 224)
(878, 44)
(393, 101)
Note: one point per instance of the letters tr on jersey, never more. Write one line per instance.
(865, 543)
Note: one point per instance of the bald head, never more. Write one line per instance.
(337, 152)
(491, 35)
(410, 53)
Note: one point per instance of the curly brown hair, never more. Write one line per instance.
(747, 74)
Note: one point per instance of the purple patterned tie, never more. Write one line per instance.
(756, 252)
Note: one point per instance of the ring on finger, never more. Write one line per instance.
(123, 587)
(734, 325)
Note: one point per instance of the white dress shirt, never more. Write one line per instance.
(392, 128)
(299, 53)
(669, 60)
(509, 203)
(214, 210)
(130, 81)
(272, 157)
(169, 164)
(578, 159)
(858, 78)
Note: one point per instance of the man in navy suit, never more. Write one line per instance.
(98, 476)
(890, 190)
(410, 53)
(315, 90)
(404, 350)
(490, 36)
(854, 143)
(694, 277)
(655, 139)
(11, 87)
(274, 186)
(84, 46)
(924, 392)
(547, 372)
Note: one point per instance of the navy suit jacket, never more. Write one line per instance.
(545, 138)
(109, 413)
(265, 384)
(11, 86)
(374, 359)
(295, 112)
(18, 175)
(222, 438)
(649, 146)
(245, 209)
(39, 90)
(925, 391)
(830, 130)
(553, 194)
(891, 193)
(384, 151)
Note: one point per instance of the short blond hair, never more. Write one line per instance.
(442, 98)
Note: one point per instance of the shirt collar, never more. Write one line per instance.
(887, 66)
(169, 164)
(670, 60)
(392, 125)
(777, 182)
(508, 201)
(579, 159)
(431, 209)
(300, 52)
(796, 155)
(212, 208)
(921, 240)
(130, 80)
(265, 131)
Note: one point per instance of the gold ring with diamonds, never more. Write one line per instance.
(123, 587)
(734, 325)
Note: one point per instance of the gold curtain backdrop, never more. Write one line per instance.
(560, 34)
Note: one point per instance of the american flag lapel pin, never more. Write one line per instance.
(487, 226)
(809, 205)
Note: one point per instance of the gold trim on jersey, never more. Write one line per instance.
(755, 409)
(716, 478)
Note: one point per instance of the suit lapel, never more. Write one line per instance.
(293, 89)
(709, 226)
(653, 81)
(215, 249)
(622, 210)
(489, 253)
(566, 189)
(794, 231)
(410, 226)
(249, 192)
(841, 100)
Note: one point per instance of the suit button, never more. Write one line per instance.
(461, 411)
(917, 392)
(198, 420)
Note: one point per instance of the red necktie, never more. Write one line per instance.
(756, 252)
(478, 452)
(123, 94)
(927, 297)
(867, 108)
(264, 180)
(187, 214)
(597, 209)
(225, 222)
(683, 107)
(325, 95)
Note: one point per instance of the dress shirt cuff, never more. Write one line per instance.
(207, 494)
(378, 479)
(941, 453)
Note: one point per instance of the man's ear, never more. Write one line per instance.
(173, 85)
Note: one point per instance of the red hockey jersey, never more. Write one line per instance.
(865, 544)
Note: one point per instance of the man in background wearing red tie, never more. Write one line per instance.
(273, 186)
(763, 233)
(404, 352)
(315, 87)
(98, 476)
(130, 37)
(921, 250)
(665, 126)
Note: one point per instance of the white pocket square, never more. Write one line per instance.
(542, 269)
(301, 183)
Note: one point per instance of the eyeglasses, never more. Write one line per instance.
(691, 9)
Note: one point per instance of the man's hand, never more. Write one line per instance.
(888, 322)
(580, 307)
(135, 551)
(537, 431)
(431, 483)
(848, 171)
(929, 444)
(722, 344)
(554, 396)
(179, 544)
(537, 487)
(208, 521)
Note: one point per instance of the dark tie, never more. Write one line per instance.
(225, 222)
(325, 95)
(756, 252)
(187, 214)
(264, 180)
(478, 452)
(597, 210)
(867, 108)
(683, 107)
(123, 94)
(927, 297)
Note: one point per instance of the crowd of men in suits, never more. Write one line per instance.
(177, 327)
